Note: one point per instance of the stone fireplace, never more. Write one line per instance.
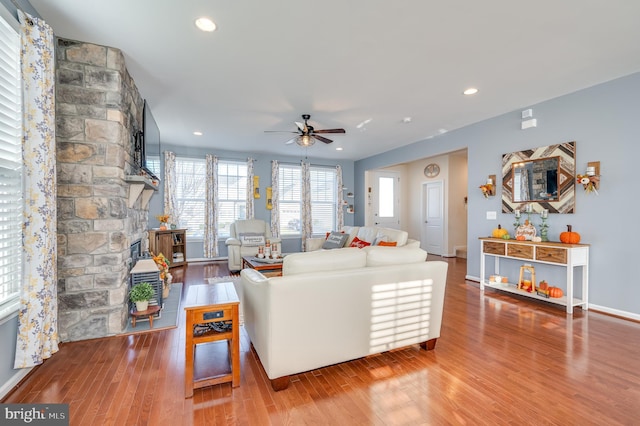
(98, 108)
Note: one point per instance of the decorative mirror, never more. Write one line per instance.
(541, 177)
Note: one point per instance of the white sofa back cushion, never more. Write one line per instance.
(371, 233)
(383, 256)
(323, 261)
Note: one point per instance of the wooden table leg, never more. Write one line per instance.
(133, 321)
(188, 368)
(150, 321)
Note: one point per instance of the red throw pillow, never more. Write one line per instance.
(388, 243)
(357, 242)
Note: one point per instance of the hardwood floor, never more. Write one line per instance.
(499, 360)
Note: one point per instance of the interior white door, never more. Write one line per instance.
(433, 217)
(386, 199)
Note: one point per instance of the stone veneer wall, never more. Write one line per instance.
(98, 107)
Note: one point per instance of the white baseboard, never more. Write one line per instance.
(13, 381)
(616, 312)
(472, 278)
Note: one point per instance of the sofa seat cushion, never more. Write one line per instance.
(383, 256)
(323, 261)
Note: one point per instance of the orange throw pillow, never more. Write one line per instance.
(388, 243)
(357, 242)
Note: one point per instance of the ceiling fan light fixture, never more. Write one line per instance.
(305, 140)
(205, 24)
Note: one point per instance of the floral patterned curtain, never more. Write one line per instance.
(211, 208)
(249, 203)
(306, 204)
(170, 186)
(275, 190)
(339, 199)
(38, 314)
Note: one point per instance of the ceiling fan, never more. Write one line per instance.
(307, 135)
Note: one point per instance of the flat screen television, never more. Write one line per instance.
(147, 144)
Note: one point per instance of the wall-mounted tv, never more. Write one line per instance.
(147, 144)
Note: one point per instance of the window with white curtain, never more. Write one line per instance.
(323, 182)
(190, 195)
(11, 198)
(232, 194)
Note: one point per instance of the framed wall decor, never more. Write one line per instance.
(541, 177)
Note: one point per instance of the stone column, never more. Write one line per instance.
(98, 107)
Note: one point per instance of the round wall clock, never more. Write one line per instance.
(432, 170)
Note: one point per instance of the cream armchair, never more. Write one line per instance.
(246, 236)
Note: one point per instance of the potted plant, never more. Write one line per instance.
(140, 294)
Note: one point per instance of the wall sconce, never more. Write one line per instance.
(256, 187)
(489, 188)
(590, 180)
(269, 198)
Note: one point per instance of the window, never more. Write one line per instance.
(232, 194)
(190, 195)
(11, 199)
(289, 198)
(323, 199)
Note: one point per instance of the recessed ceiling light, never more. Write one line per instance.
(407, 120)
(205, 24)
(339, 148)
(197, 133)
(470, 91)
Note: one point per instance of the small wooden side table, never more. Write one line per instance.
(150, 312)
(204, 306)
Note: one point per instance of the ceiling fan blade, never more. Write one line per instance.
(330, 131)
(301, 126)
(322, 139)
(290, 141)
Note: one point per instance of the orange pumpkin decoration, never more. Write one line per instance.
(555, 292)
(543, 285)
(569, 237)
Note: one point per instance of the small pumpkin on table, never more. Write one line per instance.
(500, 232)
(569, 237)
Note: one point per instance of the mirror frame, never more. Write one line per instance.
(566, 176)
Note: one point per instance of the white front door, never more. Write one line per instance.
(386, 199)
(433, 217)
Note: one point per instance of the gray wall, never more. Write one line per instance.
(603, 120)
(262, 168)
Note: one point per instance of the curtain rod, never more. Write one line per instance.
(311, 164)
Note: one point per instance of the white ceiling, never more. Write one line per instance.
(346, 61)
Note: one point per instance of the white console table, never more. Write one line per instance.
(568, 256)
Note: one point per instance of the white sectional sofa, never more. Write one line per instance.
(369, 234)
(332, 306)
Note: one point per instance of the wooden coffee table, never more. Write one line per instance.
(266, 269)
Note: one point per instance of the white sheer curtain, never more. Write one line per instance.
(37, 337)
(275, 190)
(306, 226)
(250, 200)
(211, 208)
(170, 185)
(339, 199)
